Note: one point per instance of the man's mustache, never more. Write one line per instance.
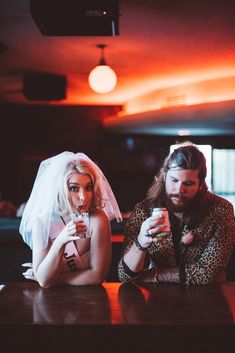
(178, 196)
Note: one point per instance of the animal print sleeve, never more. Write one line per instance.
(211, 263)
(139, 214)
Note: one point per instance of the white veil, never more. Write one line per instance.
(42, 199)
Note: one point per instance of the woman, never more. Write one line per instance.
(66, 184)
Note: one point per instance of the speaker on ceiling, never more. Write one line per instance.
(44, 86)
(76, 17)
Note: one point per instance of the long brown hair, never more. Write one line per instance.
(186, 156)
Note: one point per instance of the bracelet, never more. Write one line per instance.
(139, 246)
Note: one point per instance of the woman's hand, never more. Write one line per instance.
(152, 230)
(72, 231)
(29, 274)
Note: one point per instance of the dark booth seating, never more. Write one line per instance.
(13, 251)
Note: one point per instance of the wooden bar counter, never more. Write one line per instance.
(117, 317)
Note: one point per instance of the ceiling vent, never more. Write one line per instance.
(76, 17)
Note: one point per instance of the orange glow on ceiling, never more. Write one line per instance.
(162, 46)
(188, 92)
(158, 93)
(185, 78)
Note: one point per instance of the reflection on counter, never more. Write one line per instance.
(78, 306)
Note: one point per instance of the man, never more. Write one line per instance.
(202, 235)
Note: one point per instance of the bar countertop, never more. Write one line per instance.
(116, 317)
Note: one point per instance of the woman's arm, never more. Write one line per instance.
(47, 261)
(100, 254)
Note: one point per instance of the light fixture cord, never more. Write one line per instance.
(102, 59)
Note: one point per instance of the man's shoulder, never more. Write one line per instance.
(143, 204)
(218, 200)
(142, 209)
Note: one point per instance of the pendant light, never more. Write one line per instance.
(102, 79)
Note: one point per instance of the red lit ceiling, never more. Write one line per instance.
(168, 53)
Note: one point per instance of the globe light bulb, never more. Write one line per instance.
(102, 79)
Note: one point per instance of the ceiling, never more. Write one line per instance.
(169, 53)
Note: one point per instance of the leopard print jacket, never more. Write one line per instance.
(205, 258)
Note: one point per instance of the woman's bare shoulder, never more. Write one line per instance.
(99, 222)
(99, 214)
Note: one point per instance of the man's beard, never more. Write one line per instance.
(183, 207)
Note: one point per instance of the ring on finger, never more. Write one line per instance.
(147, 233)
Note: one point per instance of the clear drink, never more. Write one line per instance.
(85, 217)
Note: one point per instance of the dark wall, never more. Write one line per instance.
(32, 133)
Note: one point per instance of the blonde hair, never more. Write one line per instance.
(62, 202)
